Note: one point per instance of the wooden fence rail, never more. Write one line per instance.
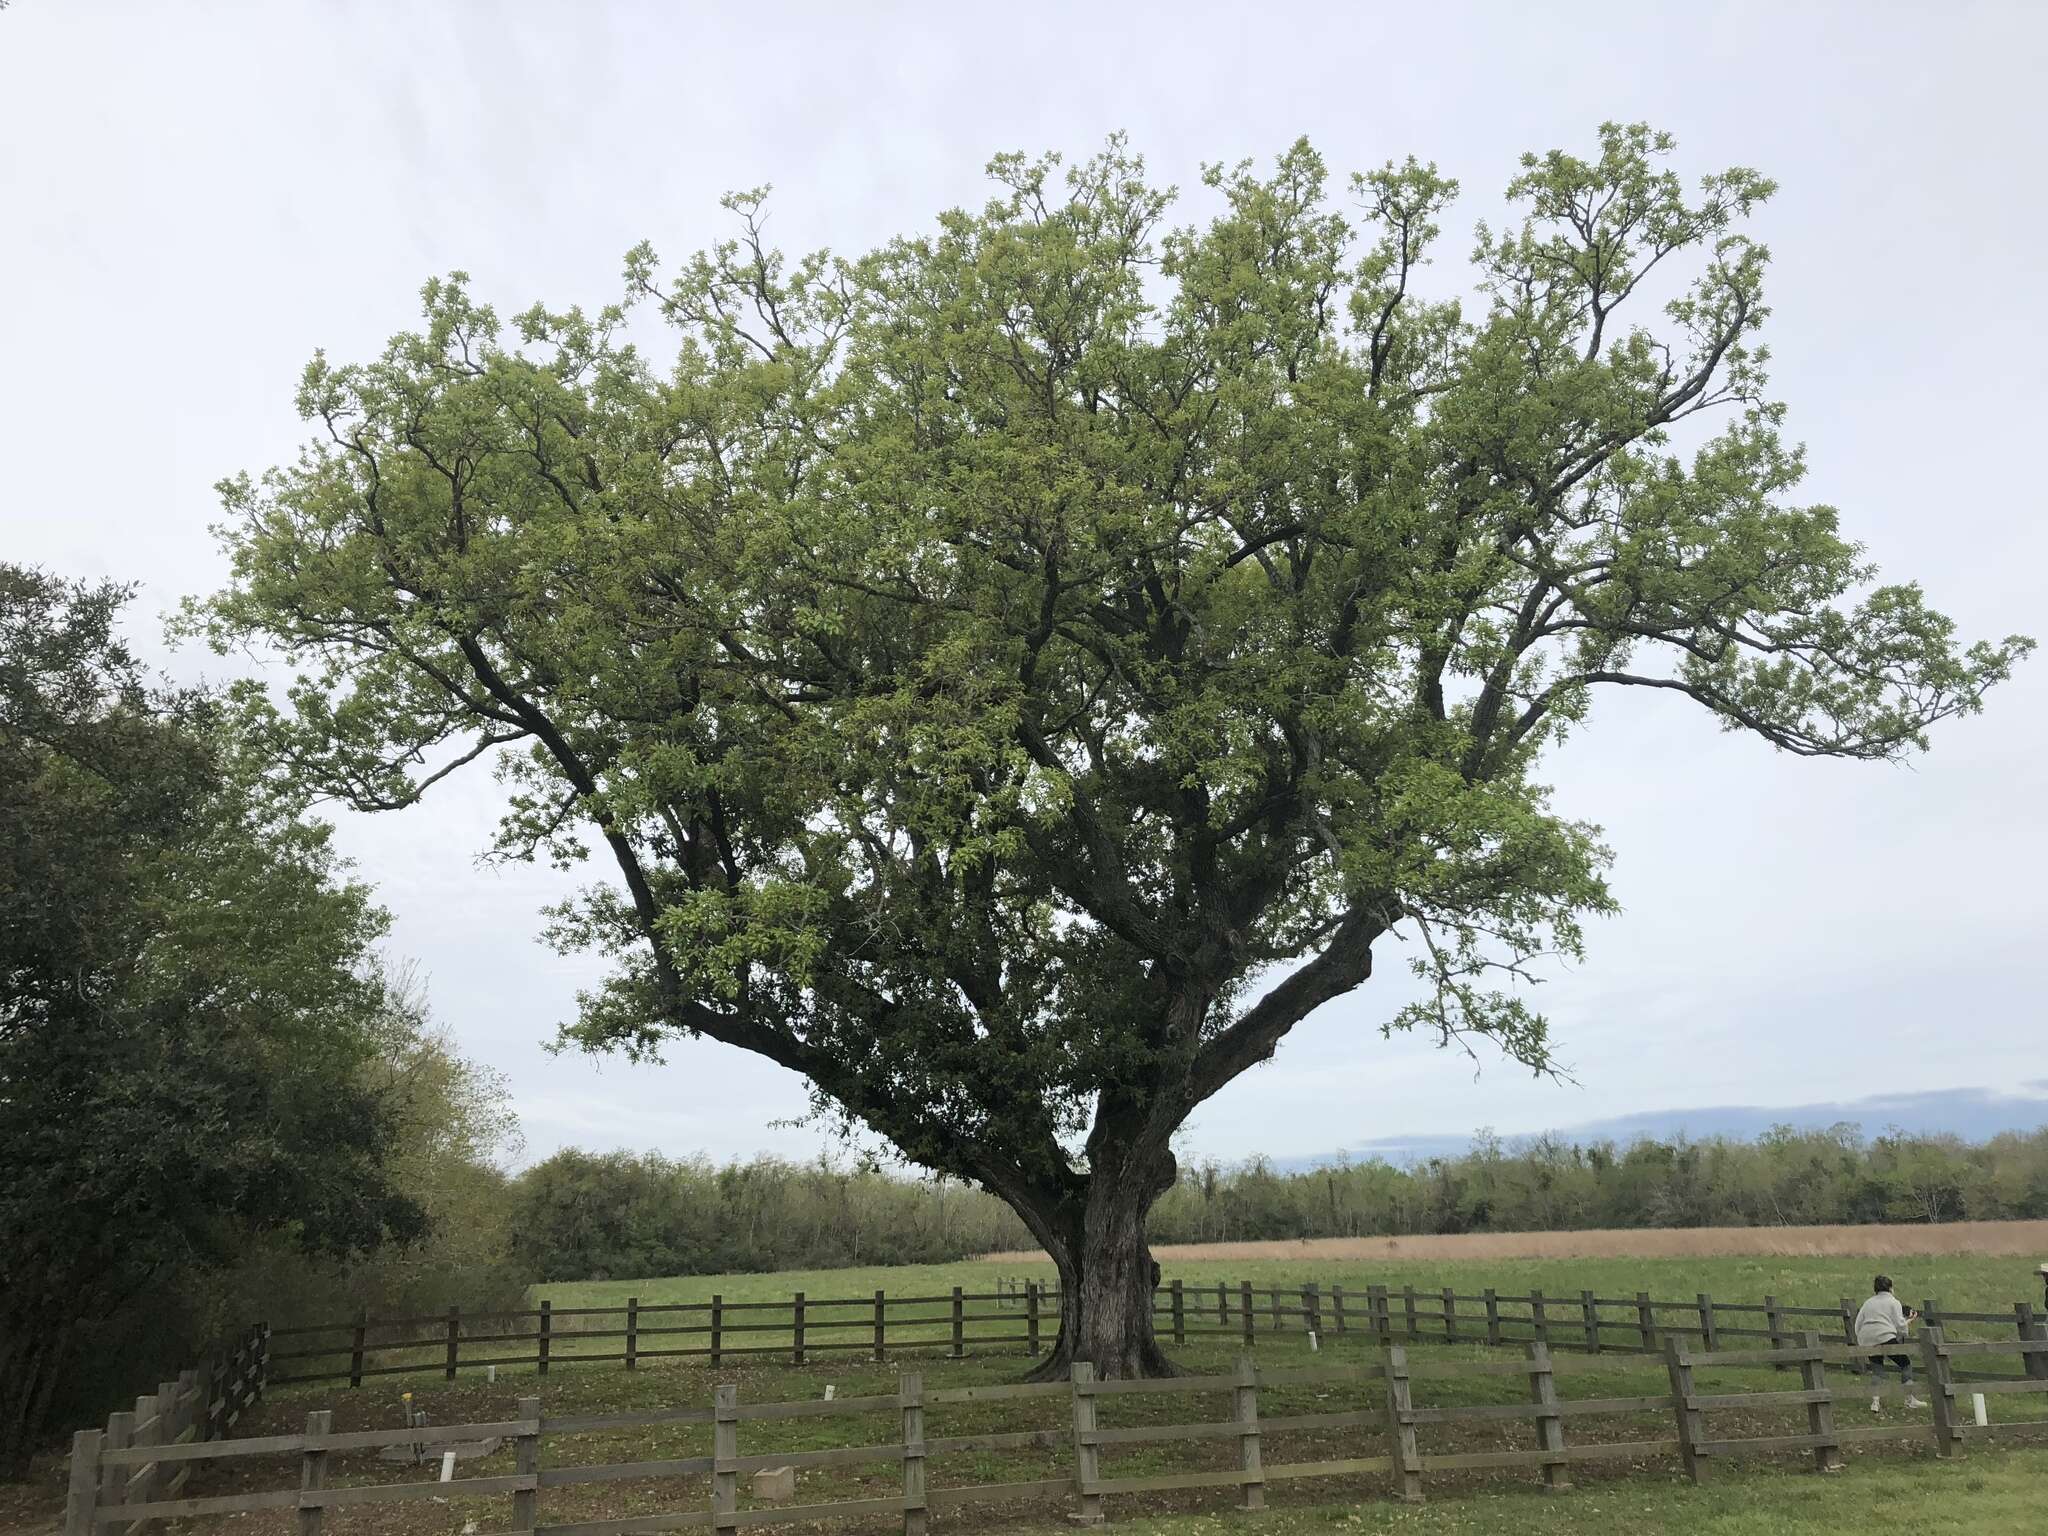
(146, 1454)
(204, 1404)
(881, 1326)
(133, 1485)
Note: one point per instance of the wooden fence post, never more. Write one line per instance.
(313, 1471)
(149, 1430)
(526, 1462)
(1848, 1309)
(1930, 1312)
(184, 1398)
(1337, 1307)
(114, 1478)
(234, 1384)
(796, 1328)
(1244, 1308)
(211, 1373)
(196, 1398)
(725, 1450)
(1382, 1322)
(1312, 1308)
(355, 1355)
(1538, 1316)
(1646, 1322)
(1710, 1332)
(1180, 1314)
(454, 1341)
(1590, 1310)
(1820, 1413)
(1557, 1476)
(167, 1434)
(547, 1334)
(1492, 1299)
(1087, 1455)
(223, 1386)
(910, 1397)
(170, 1404)
(227, 1363)
(718, 1331)
(1251, 1469)
(1413, 1331)
(1273, 1296)
(633, 1335)
(249, 1366)
(881, 1326)
(1450, 1315)
(81, 1497)
(1941, 1391)
(1774, 1320)
(1222, 1303)
(1401, 1427)
(2031, 1328)
(959, 1325)
(1685, 1405)
(1031, 1316)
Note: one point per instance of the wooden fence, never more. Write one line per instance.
(881, 1326)
(116, 1485)
(143, 1454)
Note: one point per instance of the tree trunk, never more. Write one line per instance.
(27, 1377)
(1106, 1284)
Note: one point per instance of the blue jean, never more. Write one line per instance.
(1903, 1362)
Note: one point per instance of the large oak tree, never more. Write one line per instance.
(1019, 674)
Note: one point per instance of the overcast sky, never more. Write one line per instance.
(196, 195)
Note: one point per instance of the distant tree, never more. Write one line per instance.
(583, 1215)
(186, 1005)
(1018, 675)
(449, 1128)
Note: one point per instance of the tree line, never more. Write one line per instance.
(1785, 1177)
(580, 1215)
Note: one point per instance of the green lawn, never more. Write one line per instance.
(2002, 1493)
(1994, 1489)
(1972, 1283)
(1967, 1282)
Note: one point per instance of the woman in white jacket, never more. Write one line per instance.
(1882, 1320)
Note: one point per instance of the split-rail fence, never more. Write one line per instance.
(881, 1326)
(124, 1487)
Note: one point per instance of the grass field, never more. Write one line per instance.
(1631, 1496)
(1999, 1494)
(1889, 1242)
(1994, 1490)
(1974, 1282)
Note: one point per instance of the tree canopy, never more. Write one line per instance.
(187, 1004)
(1019, 673)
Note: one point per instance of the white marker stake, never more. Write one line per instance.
(491, 1374)
(447, 1466)
(1313, 1346)
(1977, 1402)
(828, 1391)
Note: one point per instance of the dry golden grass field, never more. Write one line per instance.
(1981, 1237)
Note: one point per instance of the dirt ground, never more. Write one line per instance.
(1987, 1237)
